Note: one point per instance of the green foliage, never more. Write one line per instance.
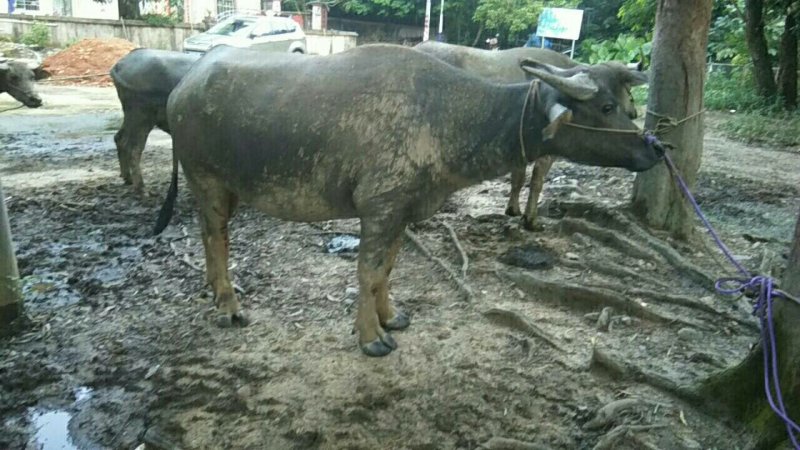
(735, 91)
(512, 18)
(765, 126)
(382, 8)
(638, 15)
(160, 20)
(37, 36)
(625, 48)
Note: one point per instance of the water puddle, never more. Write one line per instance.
(51, 426)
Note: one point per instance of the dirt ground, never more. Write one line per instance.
(121, 349)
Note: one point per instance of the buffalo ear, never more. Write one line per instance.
(557, 114)
(636, 77)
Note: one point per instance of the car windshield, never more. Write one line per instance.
(231, 26)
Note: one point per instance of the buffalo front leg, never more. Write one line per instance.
(517, 181)
(540, 169)
(380, 241)
(216, 206)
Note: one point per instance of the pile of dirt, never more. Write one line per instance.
(87, 57)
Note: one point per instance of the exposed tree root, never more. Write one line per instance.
(462, 285)
(461, 252)
(610, 413)
(612, 269)
(620, 369)
(498, 443)
(591, 298)
(615, 222)
(689, 302)
(515, 320)
(607, 237)
(612, 439)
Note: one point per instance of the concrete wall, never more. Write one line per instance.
(85, 9)
(66, 30)
(325, 43)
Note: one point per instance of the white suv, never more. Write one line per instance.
(277, 34)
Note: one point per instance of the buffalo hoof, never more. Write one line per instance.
(380, 347)
(400, 321)
(513, 212)
(232, 320)
(530, 225)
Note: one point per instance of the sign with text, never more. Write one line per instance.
(560, 23)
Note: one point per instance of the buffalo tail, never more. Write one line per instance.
(168, 207)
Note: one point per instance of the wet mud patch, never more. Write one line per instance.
(137, 328)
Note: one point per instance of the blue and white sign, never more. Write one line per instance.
(560, 23)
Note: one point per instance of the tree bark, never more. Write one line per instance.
(676, 90)
(10, 294)
(757, 46)
(787, 70)
(739, 391)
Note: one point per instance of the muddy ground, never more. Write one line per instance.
(121, 348)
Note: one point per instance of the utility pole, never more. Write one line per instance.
(426, 31)
(441, 19)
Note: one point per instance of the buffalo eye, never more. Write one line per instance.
(608, 108)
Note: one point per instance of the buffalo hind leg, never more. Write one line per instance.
(380, 240)
(540, 169)
(130, 140)
(390, 318)
(216, 206)
(517, 181)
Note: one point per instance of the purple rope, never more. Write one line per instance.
(762, 308)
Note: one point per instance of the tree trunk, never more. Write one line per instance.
(787, 70)
(739, 391)
(757, 46)
(10, 294)
(676, 90)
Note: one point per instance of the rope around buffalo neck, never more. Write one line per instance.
(534, 89)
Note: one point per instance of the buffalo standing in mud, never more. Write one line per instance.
(380, 132)
(18, 79)
(144, 79)
(504, 66)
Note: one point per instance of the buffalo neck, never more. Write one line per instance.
(488, 140)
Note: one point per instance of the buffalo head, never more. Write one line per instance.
(18, 78)
(596, 96)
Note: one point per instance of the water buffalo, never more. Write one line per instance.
(504, 66)
(18, 78)
(383, 133)
(143, 79)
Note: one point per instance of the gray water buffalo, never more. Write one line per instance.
(144, 79)
(382, 133)
(18, 79)
(504, 66)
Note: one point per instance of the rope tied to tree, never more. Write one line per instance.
(764, 290)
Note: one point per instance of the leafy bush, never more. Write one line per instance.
(765, 126)
(626, 48)
(37, 36)
(160, 20)
(735, 91)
